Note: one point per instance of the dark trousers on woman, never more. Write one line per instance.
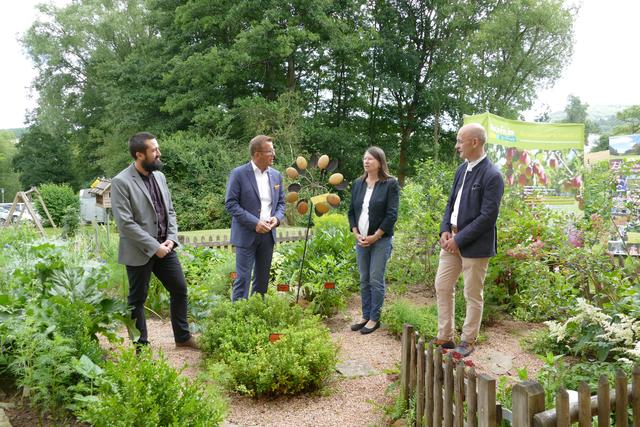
(372, 263)
(169, 271)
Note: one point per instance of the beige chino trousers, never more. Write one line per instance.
(474, 271)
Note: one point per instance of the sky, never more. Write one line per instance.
(603, 70)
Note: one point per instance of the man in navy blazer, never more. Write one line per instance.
(255, 201)
(468, 238)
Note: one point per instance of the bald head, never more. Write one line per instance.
(474, 130)
(470, 142)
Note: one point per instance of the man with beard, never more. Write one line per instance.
(146, 221)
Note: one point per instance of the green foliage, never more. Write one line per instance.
(197, 177)
(43, 158)
(53, 306)
(207, 272)
(414, 258)
(236, 335)
(423, 319)
(330, 257)
(143, 390)
(70, 221)
(42, 365)
(9, 179)
(57, 198)
(335, 75)
(598, 190)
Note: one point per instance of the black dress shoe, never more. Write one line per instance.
(366, 330)
(358, 326)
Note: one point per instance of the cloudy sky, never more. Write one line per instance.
(603, 71)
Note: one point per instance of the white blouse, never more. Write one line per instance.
(363, 221)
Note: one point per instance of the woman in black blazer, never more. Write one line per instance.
(372, 215)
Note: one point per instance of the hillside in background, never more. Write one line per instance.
(16, 131)
(602, 115)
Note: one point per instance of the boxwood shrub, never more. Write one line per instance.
(237, 337)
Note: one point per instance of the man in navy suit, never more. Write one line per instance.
(255, 201)
(468, 238)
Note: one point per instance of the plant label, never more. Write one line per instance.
(274, 337)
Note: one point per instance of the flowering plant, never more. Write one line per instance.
(593, 333)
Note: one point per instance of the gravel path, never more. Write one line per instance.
(347, 402)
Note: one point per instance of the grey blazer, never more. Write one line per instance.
(136, 218)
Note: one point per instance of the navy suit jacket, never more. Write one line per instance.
(242, 201)
(478, 211)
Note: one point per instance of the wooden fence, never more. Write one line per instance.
(222, 241)
(446, 390)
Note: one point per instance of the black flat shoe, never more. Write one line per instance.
(358, 326)
(366, 330)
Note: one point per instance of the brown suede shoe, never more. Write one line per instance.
(190, 343)
(446, 344)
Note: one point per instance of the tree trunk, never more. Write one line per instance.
(436, 136)
(291, 74)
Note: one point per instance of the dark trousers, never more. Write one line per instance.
(169, 271)
(259, 256)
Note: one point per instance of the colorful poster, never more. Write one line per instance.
(625, 212)
(543, 159)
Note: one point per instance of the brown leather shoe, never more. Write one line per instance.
(446, 344)
(190, 343)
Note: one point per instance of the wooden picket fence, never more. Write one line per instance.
(448, 393)
(223, 242)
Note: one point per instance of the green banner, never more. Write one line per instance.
(529, 135)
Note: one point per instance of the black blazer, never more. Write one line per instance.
(478, 212)
(383, 206)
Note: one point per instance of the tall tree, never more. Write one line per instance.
(42, 157)
(9, 179)
(578, 112)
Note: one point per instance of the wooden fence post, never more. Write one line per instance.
(622, 399)
(429, 386)
(604, 402)
(448, 391)
(405, 375)
(413, 364)
(420, 391)
(562, 408)
(635, 395)
(584, 405)
(437, 387)
(458, 389)
(486, 401)
(527, 400)
(472, 399)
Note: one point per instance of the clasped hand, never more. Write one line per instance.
(165, 248)
(366, 241)
(448, 243)
(264, 226)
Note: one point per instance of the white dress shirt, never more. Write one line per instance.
(456, 204)
(363, 221)
(262, 179)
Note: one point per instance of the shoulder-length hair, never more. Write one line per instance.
(378, 154)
